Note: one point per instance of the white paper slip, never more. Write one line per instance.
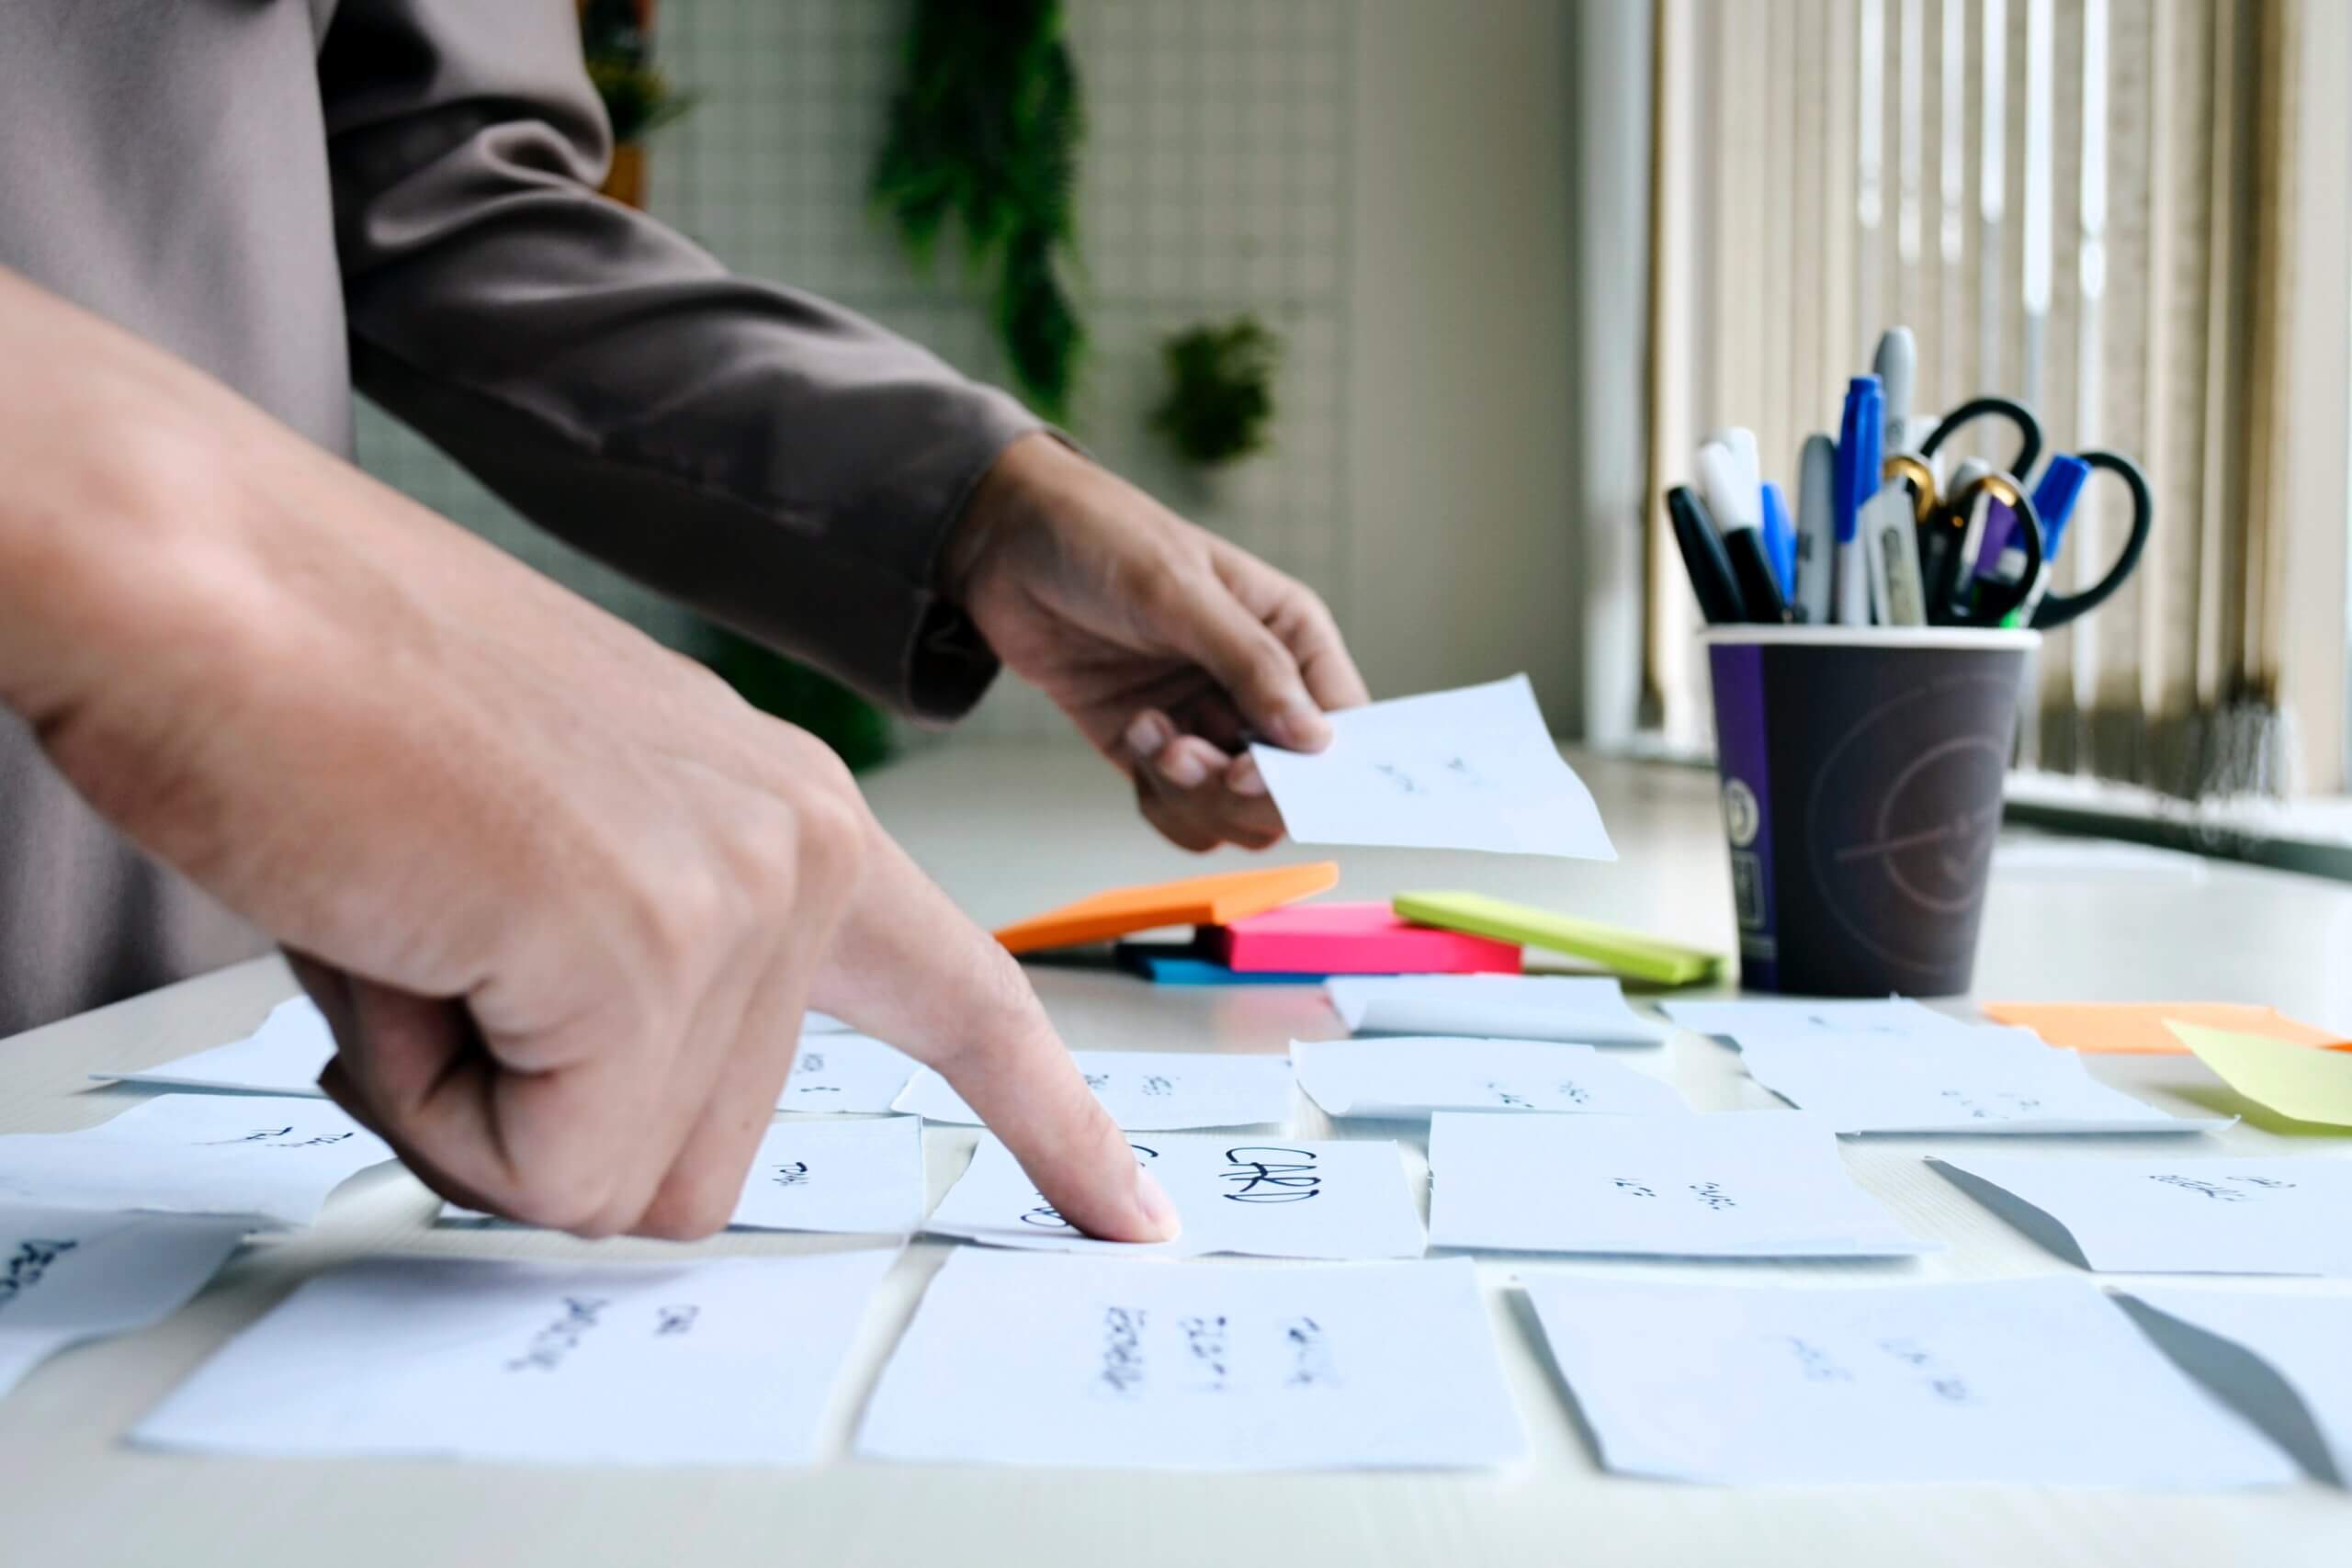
(844, 1071)
(1292, 1197)
(1410, 1076)
(2279, 1361)
(1473, 769)
(2187, 1214)
(285, 1055)
(1149, 1091)
(2033, 1381)
(815, 1022)
(273, 1160)
(1736, 1184)
(730, 1361)
(1897, 1018)
(1139, 1362)
(67, 1276)
(845, 1177)
(1575, 1008)
(1868, 1086)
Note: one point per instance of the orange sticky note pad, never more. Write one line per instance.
(2140, 1026)
(1211, 900)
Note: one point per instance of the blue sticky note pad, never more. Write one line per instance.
(1178, 965)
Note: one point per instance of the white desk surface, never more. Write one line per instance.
(1010, 830)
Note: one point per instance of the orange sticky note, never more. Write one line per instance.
(1195, 902)
(2140, 1026)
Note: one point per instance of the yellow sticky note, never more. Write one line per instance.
(2294, 1080)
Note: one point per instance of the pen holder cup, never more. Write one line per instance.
(1861, 774)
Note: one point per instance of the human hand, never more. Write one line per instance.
(1164, 644)
(560, 893)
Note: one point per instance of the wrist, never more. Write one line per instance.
(1010, 495)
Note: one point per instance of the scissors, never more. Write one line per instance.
(1948, 529)
(2042, 610)
(2019, 418)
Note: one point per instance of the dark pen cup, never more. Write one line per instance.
(1861, 772)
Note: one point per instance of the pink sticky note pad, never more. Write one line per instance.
(1354, 938)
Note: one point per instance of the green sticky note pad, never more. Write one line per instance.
(1612, 948)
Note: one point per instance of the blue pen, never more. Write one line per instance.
(1781, 541)
(2054, 501)
(1860, 434)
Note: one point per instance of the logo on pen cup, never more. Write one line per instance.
(1742, 818)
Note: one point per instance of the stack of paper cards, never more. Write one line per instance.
(1147, 1090)
(1576, 1009)
(1473, 769)
(285, 1055)
(1740, 1184)
(1405, 1075)
(844, 1071)
(1893, 1018)
(2031, 1382)
(1957, 1085)
(846, 1178)
(2192, 1215)
(1296, 1198)
(273, 1160)
(2277, 1360)
(67, 1276)
(1092, 1361)
(725, 1362)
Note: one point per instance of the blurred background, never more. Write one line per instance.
(1426, 303)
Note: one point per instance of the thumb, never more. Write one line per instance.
(1257, 670)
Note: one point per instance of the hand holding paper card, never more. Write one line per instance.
(1576, 1009)
(846, 1177)
(1412, 1076)
(67, 1276)
(1955, 1085)
(840, 1071)
(2034, 1382)
(1149, 1091)
(271, 1159)
(1738, 1184)
(285, 1055)
(1094, 1362)
(1289, 1198)
(724, 1362)
(1473, 769)
(2294, 1080)
(2277, 1360)
(2190, 1214)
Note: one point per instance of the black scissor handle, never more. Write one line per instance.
(2019, 417)
(2057, 609)
(1996, 597)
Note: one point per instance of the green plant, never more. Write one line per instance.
(985, 130)
(1220, 399)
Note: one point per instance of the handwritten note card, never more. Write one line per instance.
(2175, 1214)
(2035, 1381)
(1149, 1091)
(1739, 1184)
(274, 1160)
(844, 1071)
(1141, 1362)
(846, 1178)
(285, 1055)
(1951, 1085)
(1473, 769)
(726, 1362)
(1412, 1076)
(1579, 1009)
(1288, 1198)
(2277, 1360)
(1891, 1018)
(67, 1276)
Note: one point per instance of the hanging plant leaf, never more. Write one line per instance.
(1220, 402)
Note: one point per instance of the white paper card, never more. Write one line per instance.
(1737, 1184)
(1412, 1076)
(1930, 1086)
(2034, 1382)
(815, 1022)
(67, 1276)
(1473, 769)
(1149, 1091)
(1897, 1018)
(285, 1055)
(2277, 1360)
(2158, 1215)
(844, 1071)
(846, 1177)
(1141, 1362)
(1293, 1197)
(272, 1159)
(726, 1362)
(1575, 1008)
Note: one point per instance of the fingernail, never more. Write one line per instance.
(1147, 733)
(1184, 769)
(1300, 729)
(1243, 777)
(1153, 1200)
